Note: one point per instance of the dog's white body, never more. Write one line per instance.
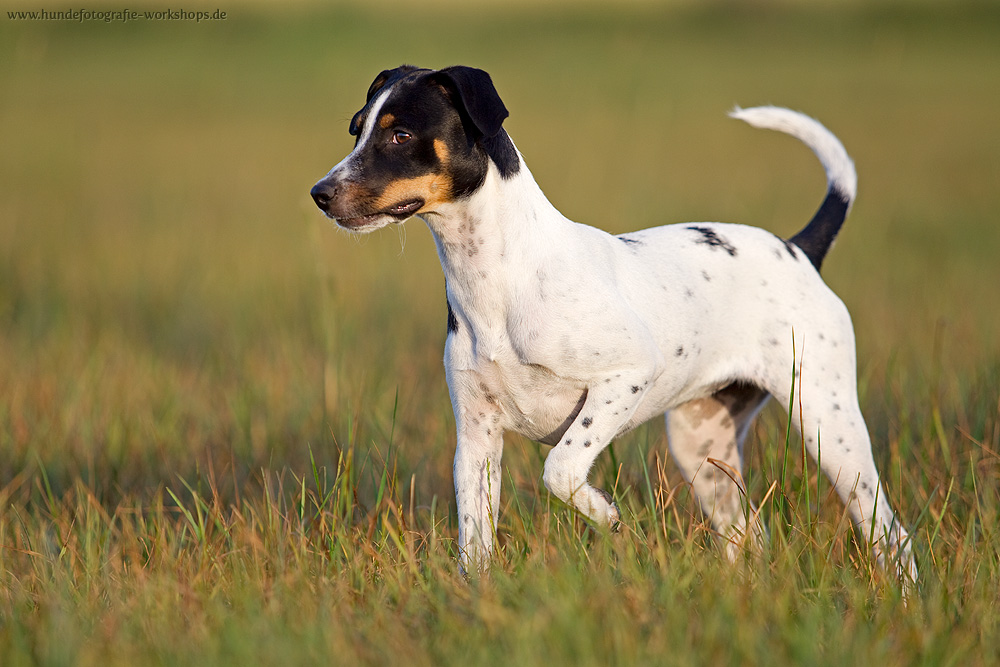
(572, 336)
(548, 308)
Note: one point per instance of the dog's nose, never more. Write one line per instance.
(322, 193)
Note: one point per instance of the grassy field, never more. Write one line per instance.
(225, 435)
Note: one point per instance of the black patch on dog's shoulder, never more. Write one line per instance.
(712, 239)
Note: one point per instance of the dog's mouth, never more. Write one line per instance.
(406, 209)
(397, 213)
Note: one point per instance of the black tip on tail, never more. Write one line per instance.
(816, 237)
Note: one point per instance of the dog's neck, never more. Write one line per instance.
(506, 220)
(492, 245)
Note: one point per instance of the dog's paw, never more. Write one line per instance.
(614, 514)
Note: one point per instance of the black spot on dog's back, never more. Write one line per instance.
(712, 239)
(789, 247)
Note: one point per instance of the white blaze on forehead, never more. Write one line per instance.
(343, 167)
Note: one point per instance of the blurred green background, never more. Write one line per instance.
(171, 301)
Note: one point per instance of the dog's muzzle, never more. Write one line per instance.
(342, 201)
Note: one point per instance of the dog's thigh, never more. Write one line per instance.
(715, 427)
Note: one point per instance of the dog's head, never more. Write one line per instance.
(424, 138)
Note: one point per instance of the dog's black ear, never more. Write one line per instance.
(378, 84)
(385, 76)
(475, 97)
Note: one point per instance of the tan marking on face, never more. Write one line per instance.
(434, 189)
(386, 121)
(441, 150)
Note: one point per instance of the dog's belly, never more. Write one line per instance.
(546, 406)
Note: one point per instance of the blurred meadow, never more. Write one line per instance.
(224, 420)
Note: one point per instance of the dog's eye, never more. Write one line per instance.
(401, 137)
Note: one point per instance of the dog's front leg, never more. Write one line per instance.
(611, 401)
(477, 469)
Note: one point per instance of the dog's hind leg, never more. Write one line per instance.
(825, 410)
(706, 438)
(842, 447)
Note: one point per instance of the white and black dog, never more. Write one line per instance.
(572, 336)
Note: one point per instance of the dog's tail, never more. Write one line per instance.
(816, 238)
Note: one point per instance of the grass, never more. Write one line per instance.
(225, 434)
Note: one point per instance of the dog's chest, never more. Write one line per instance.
(535, 402)
(499, 369)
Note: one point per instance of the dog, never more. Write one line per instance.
(571, 336)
